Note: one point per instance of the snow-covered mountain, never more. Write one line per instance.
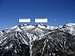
(38, 40)
(70, 28)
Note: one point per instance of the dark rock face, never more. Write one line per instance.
(13, 47)
(22, 50)
(55, 44)
(39, 48)
(59, 43)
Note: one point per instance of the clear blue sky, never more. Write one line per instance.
(57, 11)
